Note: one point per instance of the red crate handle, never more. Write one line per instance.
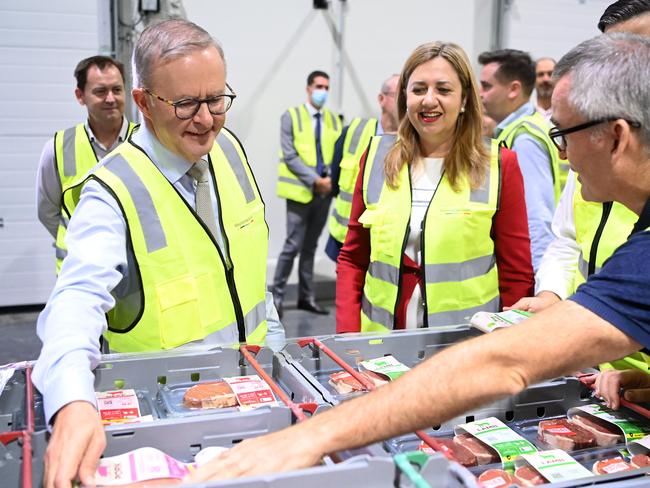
(369, 385)
(296, 409)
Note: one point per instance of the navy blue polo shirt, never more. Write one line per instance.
(620, 292)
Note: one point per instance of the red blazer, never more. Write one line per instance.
(509, 232)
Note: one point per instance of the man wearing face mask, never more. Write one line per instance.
(307, 138)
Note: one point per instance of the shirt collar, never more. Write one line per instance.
(644, 219)
(170, 164)
(526, 109)
(312, 111)
(121, 136)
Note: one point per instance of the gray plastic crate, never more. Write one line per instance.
(145, 372)
(376, 472)
(12, 400)
(547, 399)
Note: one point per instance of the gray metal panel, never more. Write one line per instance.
(41, 44)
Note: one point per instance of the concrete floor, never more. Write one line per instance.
(19, 341)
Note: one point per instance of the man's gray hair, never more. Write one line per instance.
(168, 40)
(609, 78)
(385, 86)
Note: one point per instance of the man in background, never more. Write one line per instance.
(73, 151)
(544, 86)
(507, 80)
(349, 148)
(307, 138)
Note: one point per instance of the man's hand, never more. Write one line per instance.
(285, 450)
(608, 385)
(323, 186)
(76, 444)
(542, 300)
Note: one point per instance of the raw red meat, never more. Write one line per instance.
(562, 434)
(611, 465)
(496, 478)
(527, 476)
(640, 461)
(216, 394)
(463, 455)
(605, 434)
(484, 453)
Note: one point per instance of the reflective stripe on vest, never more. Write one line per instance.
(356, 142)
(536, 126)
(289, 185)
(179, 289)
(459, 280)
(74, 157)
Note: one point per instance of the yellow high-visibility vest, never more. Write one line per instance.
(356, 142)
(304, 140)
(182, 286)
(458, 258)
(74, 157)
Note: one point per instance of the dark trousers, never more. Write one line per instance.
(305, 222)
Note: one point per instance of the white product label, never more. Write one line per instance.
(385, 365)
(555, 465)
(489, 321)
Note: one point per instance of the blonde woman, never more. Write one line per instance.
(438, 228)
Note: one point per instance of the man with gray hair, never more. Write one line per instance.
(602, 124)
(167, 244)
(349, 148)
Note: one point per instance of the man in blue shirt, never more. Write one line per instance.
(602, 125)
(507, 81)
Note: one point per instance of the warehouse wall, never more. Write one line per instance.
(40, 44)
(270, 54)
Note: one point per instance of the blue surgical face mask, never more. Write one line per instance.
(319, 97)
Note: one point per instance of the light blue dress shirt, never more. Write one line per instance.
(74, 319)
(535, 164)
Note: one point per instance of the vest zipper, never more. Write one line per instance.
(423, 290)
(400, 276)
(593, 252)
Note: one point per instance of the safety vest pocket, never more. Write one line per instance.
(180, 321)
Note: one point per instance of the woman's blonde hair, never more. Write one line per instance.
(468, 156)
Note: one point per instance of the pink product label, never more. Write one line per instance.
(118, 405)
(250, 390)
(176, 468)
(560, 430)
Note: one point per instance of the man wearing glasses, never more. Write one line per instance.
(601, 83)
(167, 244)
(586, 232)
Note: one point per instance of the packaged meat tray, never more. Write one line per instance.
(179, 401)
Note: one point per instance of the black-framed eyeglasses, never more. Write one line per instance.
(557, 135)
(186, 108)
